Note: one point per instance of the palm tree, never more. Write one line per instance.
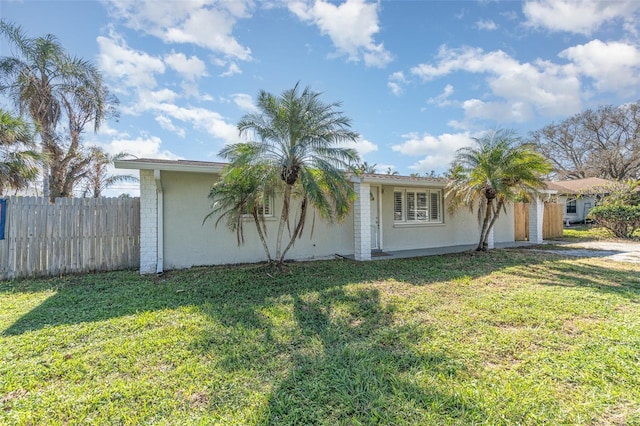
(364, 167)
(47, 83)
(493, 172)
(19, 160)
(242, 192)
(298, 137)
(97, 178)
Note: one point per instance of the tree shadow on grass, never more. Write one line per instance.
(232, 294)
(365, 370)
(346, 361)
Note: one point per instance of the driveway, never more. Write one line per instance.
(618, 251)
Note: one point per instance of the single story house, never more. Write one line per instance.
(578, 196)
(390, 213)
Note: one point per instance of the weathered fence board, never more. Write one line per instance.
(72, 235)
(551, 222)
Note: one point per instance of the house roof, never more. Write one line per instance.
(214, 167)
(170, 165)
(575, 186)
(399, 180)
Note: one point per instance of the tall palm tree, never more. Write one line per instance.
(299, 137)
(19, 159)
(97, 179)
(47, 83)
(493, 172)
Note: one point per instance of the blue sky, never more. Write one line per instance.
(418, 78)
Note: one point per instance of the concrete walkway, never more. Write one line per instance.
(402, 254)
(622, 251)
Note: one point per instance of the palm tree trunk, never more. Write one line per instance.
(494, 218)
(297, 231)
(283, 220)
(482, 245)
(263, 240)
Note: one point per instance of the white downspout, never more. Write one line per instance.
(160, 248)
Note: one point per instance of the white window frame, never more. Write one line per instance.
(269, 214)
(422, 213)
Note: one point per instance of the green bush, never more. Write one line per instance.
(621, 219)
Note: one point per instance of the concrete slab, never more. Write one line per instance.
(434, 251)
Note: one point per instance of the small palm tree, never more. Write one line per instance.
(243, 192)
(97, 177)
(299, 137)
(365, 168)
(493, 172)
(19, 160)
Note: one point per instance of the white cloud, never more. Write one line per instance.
(166, 123)
(205, 23)
(351, 26)
(614, 66)
(547, 88)
(190, 68)
(141, 147)
(203, 119)
(244, 102)
(438, 151)
(362, 146)
(509, 111)
(131, 67)
(443, 98)
(486, 25)
(232, 70)
(577, 16)
(396, 80)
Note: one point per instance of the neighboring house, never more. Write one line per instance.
(578, 196)
(390, 213)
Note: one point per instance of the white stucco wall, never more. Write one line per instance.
(461, 228)
(582, 203)
(187, 242)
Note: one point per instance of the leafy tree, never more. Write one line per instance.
(618, 208)
(48, 84)
(602, 143)
(492, 173)
(19, 159)
(298, 137)
(97, 178)
(392, 173)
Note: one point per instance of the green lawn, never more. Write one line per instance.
(505, 337)
(589, 233)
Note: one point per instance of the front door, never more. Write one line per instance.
(375, 219)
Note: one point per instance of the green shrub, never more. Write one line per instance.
(621, 219)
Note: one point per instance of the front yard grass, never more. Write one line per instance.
(578, 233)
(505, 337)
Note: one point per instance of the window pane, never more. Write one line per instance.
(421, 206)
(411, 206)
(434, 211)
(397, 206)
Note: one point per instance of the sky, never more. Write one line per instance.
(419, 79)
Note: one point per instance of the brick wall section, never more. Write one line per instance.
(536, 216)
(148, 223)
(362, 222)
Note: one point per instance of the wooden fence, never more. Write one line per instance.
(552, 226)
(72, 235)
